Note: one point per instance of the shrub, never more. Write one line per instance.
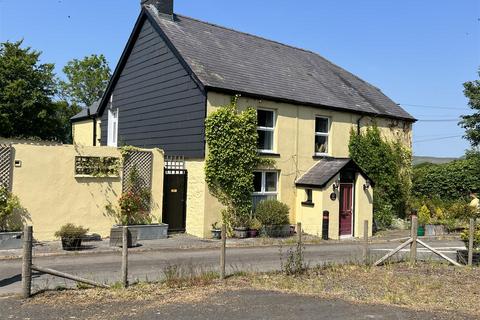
(255, 224)
(272, 212)
(71, 231)
(424, 215)
(383, 216)
(12, 214)
(465, 236)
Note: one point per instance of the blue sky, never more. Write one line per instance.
(418, 52)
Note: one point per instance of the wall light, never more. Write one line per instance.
(367, 185)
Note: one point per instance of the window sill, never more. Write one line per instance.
(308, 204)
(321, 156)
(268, 154)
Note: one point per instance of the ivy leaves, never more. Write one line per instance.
(388, 164)
(232, 156)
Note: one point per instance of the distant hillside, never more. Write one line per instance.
(435, 160)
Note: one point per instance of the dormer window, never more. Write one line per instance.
(265, 129)
(322, 128)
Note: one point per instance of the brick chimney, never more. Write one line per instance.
(163, 6)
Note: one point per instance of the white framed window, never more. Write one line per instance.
(112, 134)
(265, 186)
(265, 129)
(322, 132)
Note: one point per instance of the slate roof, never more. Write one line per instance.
(234, 61)
(323, 171)
(84, 114)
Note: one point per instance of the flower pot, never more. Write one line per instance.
(277, 231)
(462, 257)
(217, 234)
(252, 233)
(71, 244)
(421, 231)
(116, 237)
(240, 233)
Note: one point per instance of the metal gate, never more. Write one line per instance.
(175, 194)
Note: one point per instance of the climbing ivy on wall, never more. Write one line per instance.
(449, 181)
(388, 164)
(232, 157)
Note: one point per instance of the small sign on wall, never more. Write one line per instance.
(333, 196)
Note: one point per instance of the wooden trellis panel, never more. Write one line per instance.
(6, 153)
(143, 162)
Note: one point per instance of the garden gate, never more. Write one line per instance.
(175, 193)
(6, 154)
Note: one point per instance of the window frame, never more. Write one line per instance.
(112, 129)
(263, 183)
(322, 134)
(269, 129)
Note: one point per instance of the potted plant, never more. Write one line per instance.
(273, 215)
(216, 231)
(12, 218)
(71, 236)
(255, 226)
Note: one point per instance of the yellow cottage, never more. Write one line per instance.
(175, 70)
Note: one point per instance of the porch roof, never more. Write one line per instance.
(325, 170)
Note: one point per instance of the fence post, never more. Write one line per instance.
(366, 258)
(299, 233)
(413, 245)
(125, 256)
(470, 241)
(223, 252)
(27, 262)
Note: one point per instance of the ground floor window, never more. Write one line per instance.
(265, 186)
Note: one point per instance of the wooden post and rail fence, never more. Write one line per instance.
(28, 266)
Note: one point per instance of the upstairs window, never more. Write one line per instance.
(265, 129)
(322, 126)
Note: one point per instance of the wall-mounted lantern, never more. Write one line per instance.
(367, 185)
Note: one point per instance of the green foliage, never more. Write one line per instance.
(86, 80)
(471, 123)
(449, 181)
(424, 215)
(388, 164)
(294, 264)
(384, 216)
(12, 214)
(27, 88)
(71, 231)
(232, 156)
(255, 224)
(272, 212)
(134, 204)
(465, 236)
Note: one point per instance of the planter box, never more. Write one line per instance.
(240, 233)
(278, 231)
(71, 244)
(116, 237)
(10, 240)
(462, 257)
(151, 231)
(434, 230)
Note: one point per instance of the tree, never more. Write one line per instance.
(471, 123)
(388, 164)
(26, 91)
(86, 80)
(232, 156)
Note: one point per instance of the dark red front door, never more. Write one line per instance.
(346, 209)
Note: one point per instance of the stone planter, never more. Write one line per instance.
(151, 231)
(116, 237)
(277, 231)
(434, 230)
(71, 244)
(462, 257)
(10, 240)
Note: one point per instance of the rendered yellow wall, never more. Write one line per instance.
(195, 223)
(294, 141)
(53, 196)
(82, 132)
(363, 207)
